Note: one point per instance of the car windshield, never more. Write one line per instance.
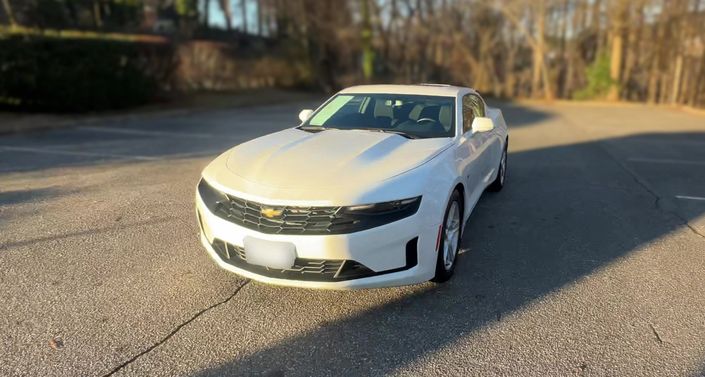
(412, 116)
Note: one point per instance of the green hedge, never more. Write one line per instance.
(69, 75)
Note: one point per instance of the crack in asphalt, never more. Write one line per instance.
(646, 186)
(641, 182)
(685, 221)
(657, 198)
(175, 330)
(658, 337)
(91, 231)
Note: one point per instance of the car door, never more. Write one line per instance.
(471, 159)
(490, 141)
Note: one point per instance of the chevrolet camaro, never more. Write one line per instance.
(371, 189)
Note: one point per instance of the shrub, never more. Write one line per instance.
(62, 75)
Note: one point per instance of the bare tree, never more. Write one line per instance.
(367, 51)
(637, 50)
(227, 13)
(8, 11)
(260, 17)
(243, 10)
(617, 41)
(97, 16)
(536, 40)
(206, 13)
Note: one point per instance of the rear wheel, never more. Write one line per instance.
(498, 183)
(449, 239)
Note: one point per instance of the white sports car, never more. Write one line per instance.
(372, 189)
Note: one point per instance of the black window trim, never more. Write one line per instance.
(483, 107)
(317, 110)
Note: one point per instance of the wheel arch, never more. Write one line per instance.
(460, 188)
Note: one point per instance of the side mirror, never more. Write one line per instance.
(305, 114)
(482, 124)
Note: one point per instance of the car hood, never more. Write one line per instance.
(296, 159)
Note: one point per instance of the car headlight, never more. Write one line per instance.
(385, 208)
(211, 197)
(366, 216)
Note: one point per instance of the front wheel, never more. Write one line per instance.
(449, 239)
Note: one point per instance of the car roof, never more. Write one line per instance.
(419, 89)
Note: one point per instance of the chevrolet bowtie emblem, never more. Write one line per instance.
(270, 212)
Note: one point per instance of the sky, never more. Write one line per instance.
(217, 18)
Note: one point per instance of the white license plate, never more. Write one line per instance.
(271, 254)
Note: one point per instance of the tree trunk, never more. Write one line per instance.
(96, 15)
(367, 51)
(510, 78)
(683, 34)
(700, 64)
(564, 58)
(260, 17)
(537, 44)
(654, 71)
(243, 9)
(617, 41)
(663, 94)
(206, 13)
(227, 14)
(615, 66)
(538, 49)
(595, 20)
(677, 79)
(541, 47)
(8, 11)
(686, 82)
(699, 83)
(632, 51)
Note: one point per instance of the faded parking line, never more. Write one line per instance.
(127, 131)
(665, 161)
(204, 153)
(76, 153)
(686, 197)
(678, 142)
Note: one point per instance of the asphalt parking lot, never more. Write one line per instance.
(590, 262)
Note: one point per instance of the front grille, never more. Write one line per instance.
(286, 219)
(299, 220)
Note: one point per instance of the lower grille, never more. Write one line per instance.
(309, 269)
(303, 269)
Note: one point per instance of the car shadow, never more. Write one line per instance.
(12, 197)
(518, 115)
(566, 212)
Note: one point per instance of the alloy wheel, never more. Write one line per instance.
(451, 236)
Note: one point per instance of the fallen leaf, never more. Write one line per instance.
(56, 343)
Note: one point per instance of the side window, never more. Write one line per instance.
(472, 107)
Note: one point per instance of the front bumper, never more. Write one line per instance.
(399, 253)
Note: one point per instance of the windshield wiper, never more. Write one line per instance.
(400, 133)
(321, 128)
(388, 131)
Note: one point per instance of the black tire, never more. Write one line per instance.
(443, 270)
(498, 182)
